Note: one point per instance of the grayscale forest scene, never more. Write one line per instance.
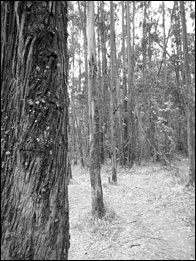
(97, 130)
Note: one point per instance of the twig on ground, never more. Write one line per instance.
(135, 245)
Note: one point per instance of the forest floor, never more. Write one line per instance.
(150, 215)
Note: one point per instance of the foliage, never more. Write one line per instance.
(160, 110)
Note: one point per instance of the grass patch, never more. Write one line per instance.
(103, 227)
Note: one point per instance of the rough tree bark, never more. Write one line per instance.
(98, 209)
(34, 106)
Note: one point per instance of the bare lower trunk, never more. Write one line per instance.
(103, 31)
(191, 145)
(96, 186)
(112, 94)
(131, 95)
(125, 121)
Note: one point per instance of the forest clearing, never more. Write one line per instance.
(150, 215)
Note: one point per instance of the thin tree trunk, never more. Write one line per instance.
(191, 145)
(78, 133)
(144, 37)
(112, 91)
(83, 19)
(79, 126)
(100, 80)
(125, 122)
(105, 80)
(177, 42)
(96, 186)
(165, 73)
(164, 47)
(73, 106)
(118, 100)
(133, 81)
(130, 88)
(34, 177)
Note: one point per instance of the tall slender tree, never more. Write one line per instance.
(144, 37)
(83, 21)
(112, 92)
(164, 47)
(191, 145)
(125, 121)
(95, 177)
(105, 78)
(130, 89)
(74, 153)
(34, 153)
(118, 99)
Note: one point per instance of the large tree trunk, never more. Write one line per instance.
(34, 171)
(96, 186)
(191, 145)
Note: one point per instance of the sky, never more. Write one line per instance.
(170, 4)
(139, 18)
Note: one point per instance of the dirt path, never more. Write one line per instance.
(149, 216)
